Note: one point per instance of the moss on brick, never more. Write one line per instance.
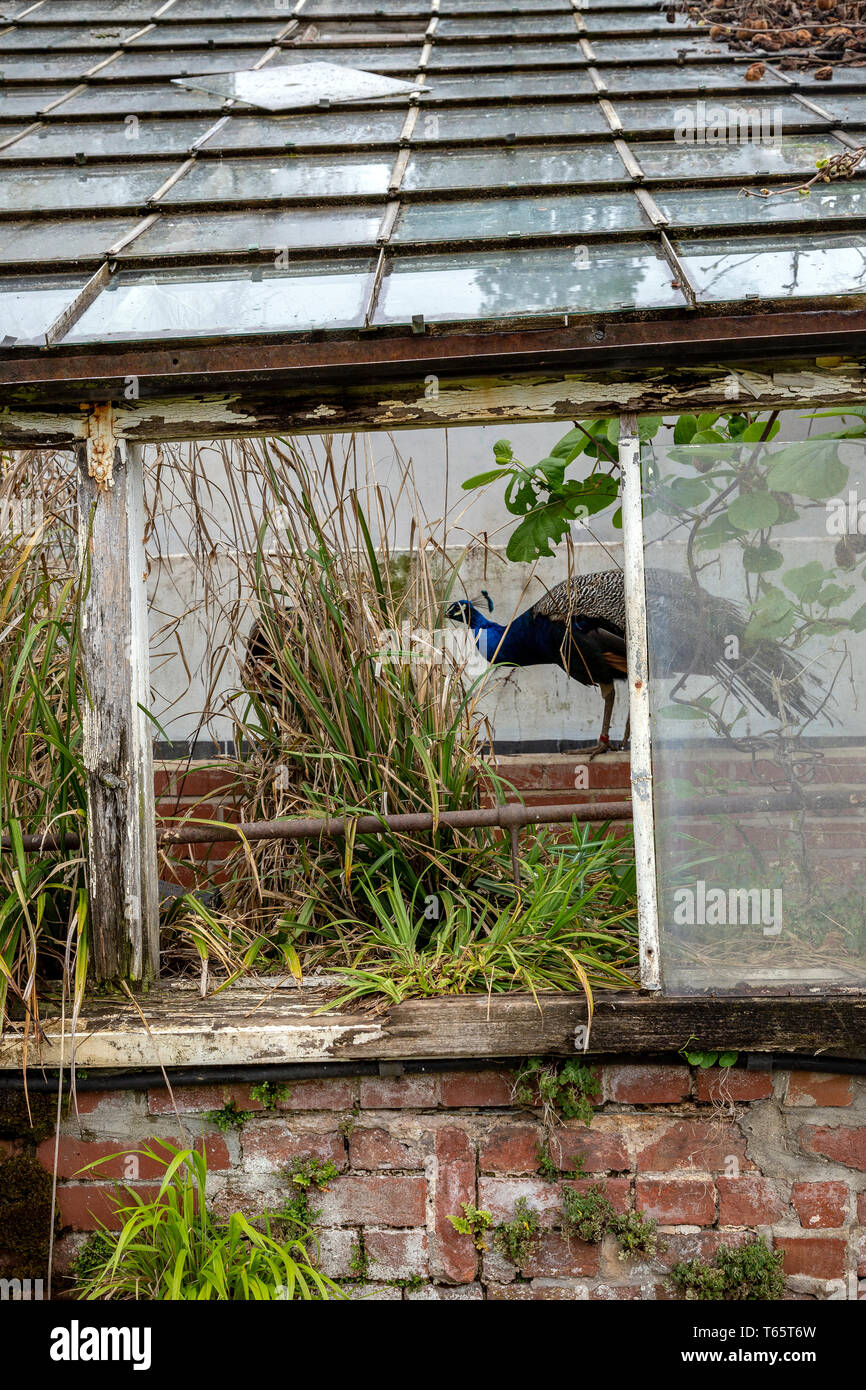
(25, 1217)
(17, 1123)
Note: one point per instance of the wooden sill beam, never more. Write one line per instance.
(258, 1023)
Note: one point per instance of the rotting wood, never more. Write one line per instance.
(260, 1023)
(117, 746)
(428, 400)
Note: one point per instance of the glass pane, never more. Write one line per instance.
(331, 176)
(89, 11)
(276, 88)
(306, 132)
(28, 101)
(513, 167)
(536, 26)
(777, 267)
(499, 6)
(334, 8)
(708, 207)
(497, 284)
(663, 78)
(499, 122)
(520, 84)
(130, 137)
(298, 229)
(400, 59)
(38, 241)
(565, 215)
(208, 301)
(647, 50)
(757, 662)
(29, 307)
(488, 55)
(793, 154)
(263, 9)
(171, 35)
(112, 185)
(842, 106)
(130, 98)
(732, 117)
(41, 37)
(185, 62)
(630, 20)
(31, 67)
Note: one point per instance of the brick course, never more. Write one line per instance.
(713, 1158)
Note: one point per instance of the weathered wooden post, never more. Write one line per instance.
(118, 757)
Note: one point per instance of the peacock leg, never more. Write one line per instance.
(626, 738)
(603, 745)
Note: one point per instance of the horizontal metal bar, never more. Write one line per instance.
(334, 827)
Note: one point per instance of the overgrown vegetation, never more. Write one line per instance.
(474, 1222)
(747, 1273)
(173, 1248)
(518, 1239)
(590, 1216)
(229, 1117)
(304, 1175)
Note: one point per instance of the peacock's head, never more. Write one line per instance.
(460, 611)
(463, 610)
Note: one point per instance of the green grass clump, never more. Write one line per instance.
(744, 1273)
(173, 1248)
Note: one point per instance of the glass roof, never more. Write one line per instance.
(346, 167)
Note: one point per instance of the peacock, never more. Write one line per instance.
(580, 626)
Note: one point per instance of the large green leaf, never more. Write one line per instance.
(773, 617)
(807, 471)
(761, 559)
(805, 581)
(753, 511)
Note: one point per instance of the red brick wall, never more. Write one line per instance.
(715, 1162)
(199, 790)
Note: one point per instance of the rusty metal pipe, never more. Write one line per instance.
(511, 816)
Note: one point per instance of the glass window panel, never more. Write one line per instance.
(757, 665)
(185, 62)
(50, 242)
(41, 37)
(334, 8)
(29, 307)
(131, 99)
(400, 59)
(746, 117)
(508, 84)
(842, 106)
(488, 55)
(499, 284)
(792, 154)
(537, 26)
(32, 67)
(562, 215)
(89, 11)
(777, 267)
(711, 207)
(228, 9)
(106, 186)
(329, 176)
(514, 167)
(499, 6)
(497, 122)
(103, 139)
(197, 35)
(363, 29)
(229, 300)
(303, 132)
(629, 20)
(647, 50)
(28, 101)
(661, 79)
(295, 229)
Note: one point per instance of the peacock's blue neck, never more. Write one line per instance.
(522, 643)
